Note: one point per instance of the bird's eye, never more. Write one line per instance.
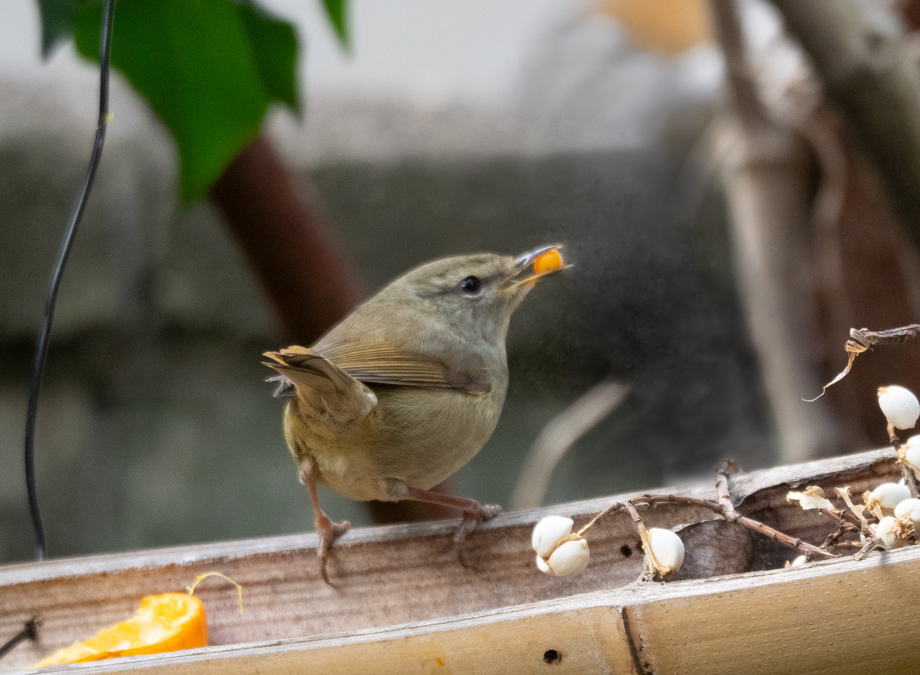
(471, 285)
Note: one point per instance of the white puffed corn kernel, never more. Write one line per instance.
(571, 557)
(912, 453)
(910, 508)
(667, 548)
(889, 495)
(548, 533)
(801, 560)
(900, 406)
(887, 530)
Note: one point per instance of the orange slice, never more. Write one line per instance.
(549, 261)
(163, 623)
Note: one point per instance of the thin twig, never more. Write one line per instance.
(867, 547)
(44, 336)
(616, 506)
(842, 529)
(29, 632)
(653, 569)
(909, 480)
(631, 509)
(908, 475)
(559, 435)
(848, 544)
(862, 339)
(723, 487)
(750, 523)
(843, 516)
(729, 515)
(867, 338)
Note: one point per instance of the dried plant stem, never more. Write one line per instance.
(843, 517)
(784, 539)
(723, 488)
(733, 517)
(631, 509)
(558, 437)
(909, 480)
(906, 472)
(848, 544)
(867, 547)
(654, 570)
(726, 513)
(616, 506)
(862, 339)
(842, 529)
(865, 338)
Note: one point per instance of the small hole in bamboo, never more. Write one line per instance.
(625, 550)
(551, 656)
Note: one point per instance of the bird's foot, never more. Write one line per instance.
(328, 531)
(473, 514)
(471, 520)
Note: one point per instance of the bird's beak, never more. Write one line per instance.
(534, 265)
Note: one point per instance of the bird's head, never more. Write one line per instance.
(479, 292)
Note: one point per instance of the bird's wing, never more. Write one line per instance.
(388, 363)
(345, 397)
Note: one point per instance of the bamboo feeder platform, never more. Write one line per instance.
(402, 603)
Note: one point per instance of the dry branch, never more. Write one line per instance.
(862, 340)
(558, 436)
(858, 48)
(726, 513)
(768, 177)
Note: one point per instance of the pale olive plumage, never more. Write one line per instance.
(409, 387)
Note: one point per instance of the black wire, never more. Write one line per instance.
(41, 353)
(28, 632)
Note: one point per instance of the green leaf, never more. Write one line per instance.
(337, 11)
(57, 22)
(275, 43)
(208, 68)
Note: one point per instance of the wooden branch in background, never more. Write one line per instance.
(557, 438)
(859, 51)
(769, 176)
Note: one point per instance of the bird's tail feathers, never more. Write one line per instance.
(304, 367)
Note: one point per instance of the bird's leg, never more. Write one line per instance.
(473, 513)
(327, 529)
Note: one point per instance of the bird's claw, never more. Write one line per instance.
(328, 532)
(471, 520)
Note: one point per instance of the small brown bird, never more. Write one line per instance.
(409, 387)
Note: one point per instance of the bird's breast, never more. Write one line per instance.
(417, 436)
(444, 435)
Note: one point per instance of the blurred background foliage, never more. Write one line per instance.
(223, 225)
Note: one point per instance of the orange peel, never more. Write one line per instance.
(549, 261)
(163, 623)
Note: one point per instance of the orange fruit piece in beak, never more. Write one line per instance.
(549, 261)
